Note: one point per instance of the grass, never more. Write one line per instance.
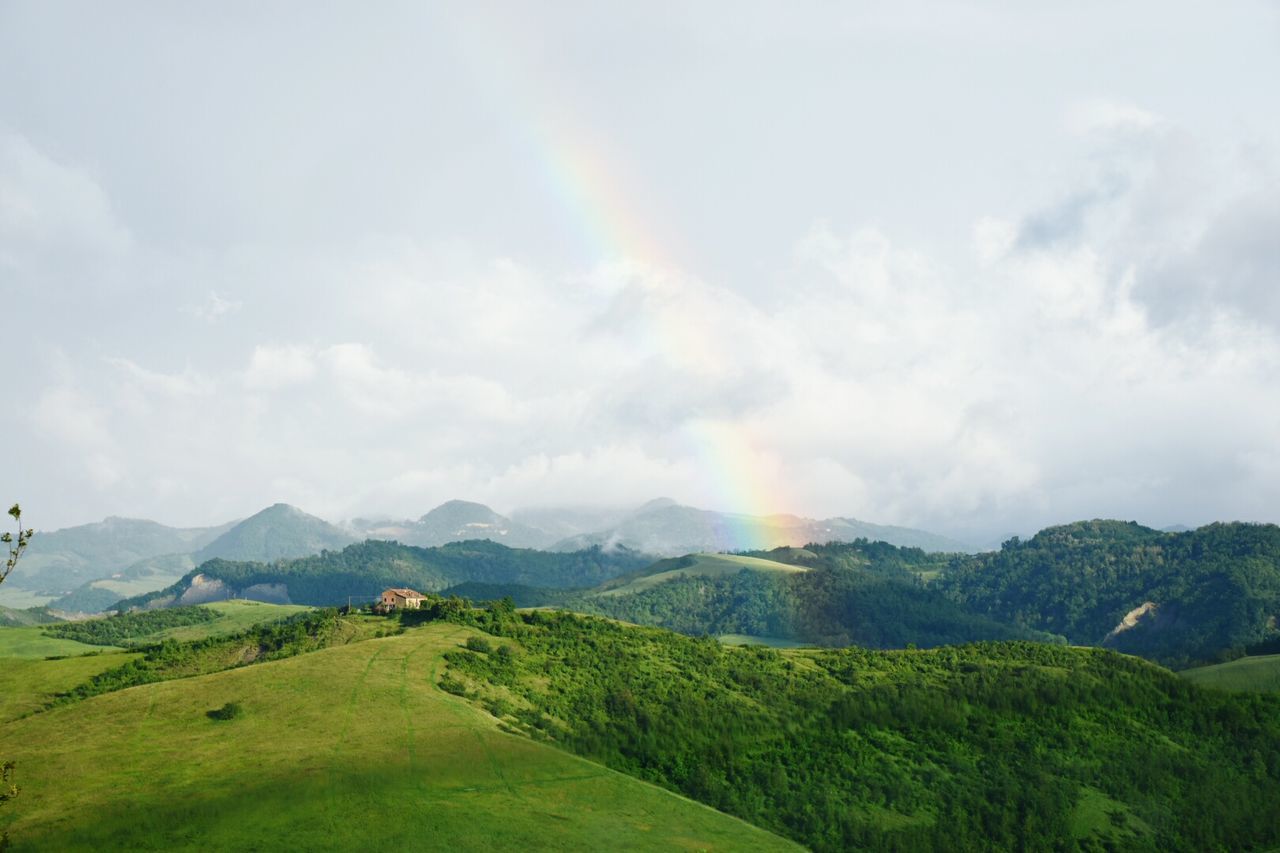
(1101, 818)
(754, 640)
(704, 565)
(1260, 673)
(233, 616)
(30, 642)
(26, 684)
(353, 747)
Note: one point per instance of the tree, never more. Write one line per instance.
(8, 789)
(16, 546)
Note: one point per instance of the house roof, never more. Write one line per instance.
(404, 593)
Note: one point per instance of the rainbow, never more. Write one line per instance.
(598, 207)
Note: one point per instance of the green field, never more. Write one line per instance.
(753, 640)
(30, 642)
(353, 747)
(1261, 673)
(703, 565)
(233, 616)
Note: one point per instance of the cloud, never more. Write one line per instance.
(50, 209)
(1108, 116)
(214, 307)
(274, 367)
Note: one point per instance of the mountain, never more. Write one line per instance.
(60, 560)
(1180, 598)
(868, 594)
(668, 529)
(278, 532)
(454, 521)
(362, 570)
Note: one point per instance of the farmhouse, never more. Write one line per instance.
(398, 598)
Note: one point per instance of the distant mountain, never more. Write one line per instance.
(563, 522)
(277, 532)
(455, 521)
(60, 560)
(666, 528)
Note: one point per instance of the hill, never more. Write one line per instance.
(1000, 746)
(865, 593)
(667, 529)
(1178, 597)
(58, 561)
(1258, 673)
(362, 570)
(693, 566)
(347, 748)
(278, 532)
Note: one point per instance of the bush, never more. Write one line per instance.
(449, 684)
(478, 644)
(229, 711)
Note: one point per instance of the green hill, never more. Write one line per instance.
(353, 747)
(1179, 597)
(691, 566)
(362, 570)
(864, 593)
(1260, 673)
(1004, 746)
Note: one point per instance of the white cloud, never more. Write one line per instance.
(214, 307)
(1106, 115)
(274, 367)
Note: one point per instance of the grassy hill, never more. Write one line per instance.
(693, 565)
(353, 747)
(1260, 673)
(1001, 746)
(32, 642)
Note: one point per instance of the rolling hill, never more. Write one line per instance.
(347, 748)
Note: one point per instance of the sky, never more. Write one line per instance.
(972, 267)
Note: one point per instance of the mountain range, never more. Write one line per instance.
(87, 568)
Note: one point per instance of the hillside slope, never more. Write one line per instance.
(990, 746)
(354, 747)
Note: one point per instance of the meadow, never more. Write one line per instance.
(697, 565)
(350, 747)
(1260, 673)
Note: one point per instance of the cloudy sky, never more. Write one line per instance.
(972, 267)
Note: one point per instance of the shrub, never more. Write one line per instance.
(478, 644)
(229, 711)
